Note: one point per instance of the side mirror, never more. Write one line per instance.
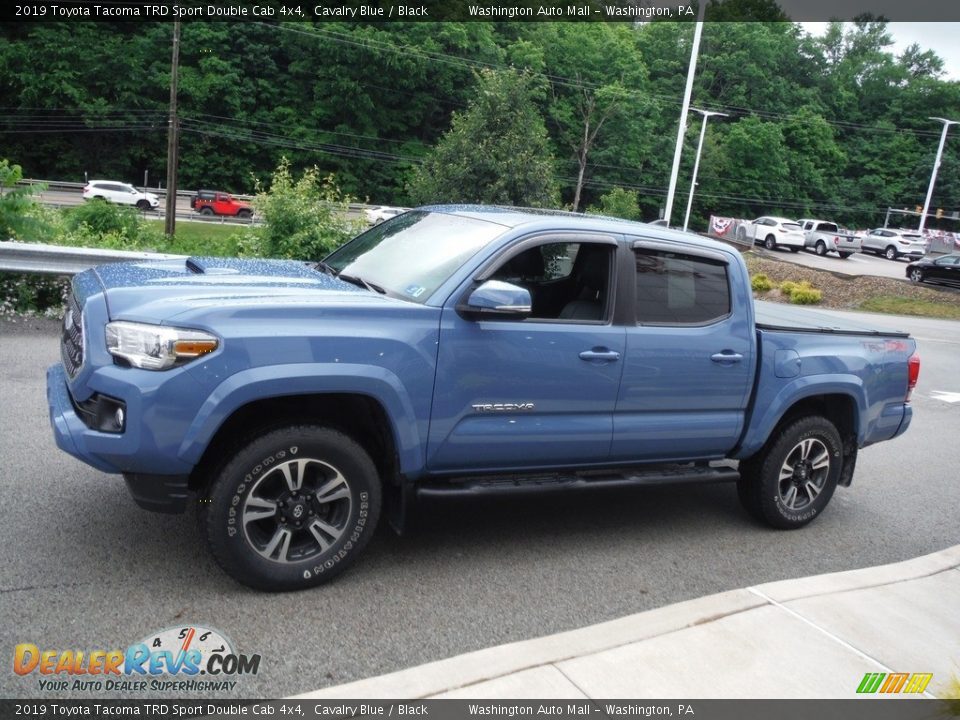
(496, 298)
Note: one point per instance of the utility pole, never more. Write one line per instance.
(688, 90)
(936, 166)
(173, 145)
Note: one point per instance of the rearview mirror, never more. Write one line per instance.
(496, 297)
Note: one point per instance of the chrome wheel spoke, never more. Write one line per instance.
(812, 490)
(791, 497)
(324, 533)
(293, 472)
(786, 472)
(821, 461)
(279, 544)
(334, 489)
(258, 508)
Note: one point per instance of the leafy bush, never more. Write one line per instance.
(761, 283)
(22, 294)
(303, 219)
(103, 218)
(802, 293)
(619, 203)
(806, 296)
(20, 215)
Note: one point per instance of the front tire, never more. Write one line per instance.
(788, 483)
(844, 255)
(292, 509)
(821, 248)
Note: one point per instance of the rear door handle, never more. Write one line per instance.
(600, 353)
(726, 357)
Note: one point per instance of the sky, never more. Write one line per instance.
(939, 37)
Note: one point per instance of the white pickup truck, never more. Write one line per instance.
(823, 236)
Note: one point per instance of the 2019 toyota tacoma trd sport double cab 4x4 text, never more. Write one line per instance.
(458, 350)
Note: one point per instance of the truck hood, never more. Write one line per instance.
(157, 291)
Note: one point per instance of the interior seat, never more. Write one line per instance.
(592, 279)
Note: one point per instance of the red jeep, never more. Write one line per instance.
(212, 202)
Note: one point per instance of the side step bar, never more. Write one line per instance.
(619, 477)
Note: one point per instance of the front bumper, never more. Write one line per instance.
(112, 452)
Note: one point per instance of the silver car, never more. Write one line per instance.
(894, 244)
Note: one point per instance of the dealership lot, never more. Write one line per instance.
(87, 569)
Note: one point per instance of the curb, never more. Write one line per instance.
(503, 660)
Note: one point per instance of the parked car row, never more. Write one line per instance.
(825, 236)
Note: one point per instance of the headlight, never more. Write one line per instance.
(156, 347)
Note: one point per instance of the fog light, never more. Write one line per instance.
(118, 418)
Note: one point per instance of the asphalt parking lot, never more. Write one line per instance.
(856, 264)
(85, 568)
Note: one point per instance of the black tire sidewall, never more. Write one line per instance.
(228, 492)
(764, 482)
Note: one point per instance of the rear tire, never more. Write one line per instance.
(292, 509)
(916, 275)
(791, 480)
(206, 210)
(890, 253)
(770, 243)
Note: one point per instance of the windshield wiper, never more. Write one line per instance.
(357, 280)
(328, 269)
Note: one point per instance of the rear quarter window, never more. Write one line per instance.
(680, 289)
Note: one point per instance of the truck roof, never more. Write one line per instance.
(539, 218)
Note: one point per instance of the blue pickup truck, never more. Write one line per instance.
(458, 350)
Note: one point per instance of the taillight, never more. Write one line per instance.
(913, 373)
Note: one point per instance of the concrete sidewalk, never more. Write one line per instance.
(812, 637)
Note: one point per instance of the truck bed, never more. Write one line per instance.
(777, 316)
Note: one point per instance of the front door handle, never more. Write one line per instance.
(726, 357)
(600, 353)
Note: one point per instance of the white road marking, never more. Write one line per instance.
(950, 397)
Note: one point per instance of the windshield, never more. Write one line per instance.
(412, 254)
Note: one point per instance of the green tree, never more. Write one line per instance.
(496, 151)
(618, 203)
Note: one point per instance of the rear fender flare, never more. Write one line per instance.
(762, 424)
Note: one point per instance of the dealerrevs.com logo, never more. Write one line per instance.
(180, 659)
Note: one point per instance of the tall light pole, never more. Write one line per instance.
(691, 69)
(936, 167)
(696, 163)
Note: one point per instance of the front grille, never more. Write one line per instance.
(71, 344)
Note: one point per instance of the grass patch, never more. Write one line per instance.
(897, 305)
(204, 238)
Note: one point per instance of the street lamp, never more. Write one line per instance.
(696, 163)
(684, 108)
(936, 166)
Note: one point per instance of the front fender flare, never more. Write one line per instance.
(273, 381)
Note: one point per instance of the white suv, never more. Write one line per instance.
(120, 193)
(893, 244)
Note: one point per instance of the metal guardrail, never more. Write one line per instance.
(63, 260)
